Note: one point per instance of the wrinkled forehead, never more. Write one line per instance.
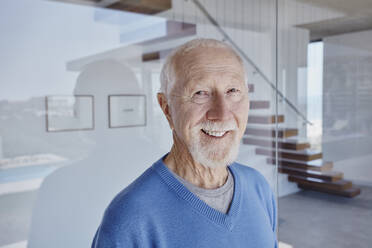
(200, 62)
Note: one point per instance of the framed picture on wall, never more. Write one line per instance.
(69, 113)
(127, 110)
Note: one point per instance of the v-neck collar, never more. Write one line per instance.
(227, 220)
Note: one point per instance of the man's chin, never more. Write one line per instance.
(215, 159)
(214, 152)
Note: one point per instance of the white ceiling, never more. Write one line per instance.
(349, 7)
(358, 17)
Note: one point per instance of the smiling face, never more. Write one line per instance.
(209, 105)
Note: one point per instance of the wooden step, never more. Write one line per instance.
(270, 132)
(259, 104)
(302, 155)
(157, 55)
(265, 119)
(351, 192)
(331, 176)
(308, 181)
(143, 7)
(151, 56)
(316, 165)
(290, 144)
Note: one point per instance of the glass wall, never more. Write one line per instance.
(79, 114)
(324, 70)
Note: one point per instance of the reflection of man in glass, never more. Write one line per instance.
(71, 200)
(196, 195)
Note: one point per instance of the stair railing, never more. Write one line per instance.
(247, 59)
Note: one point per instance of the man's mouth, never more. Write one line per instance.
(216, 134)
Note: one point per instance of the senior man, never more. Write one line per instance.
(196, 195)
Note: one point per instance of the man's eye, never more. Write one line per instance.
(233, 91)
(201, 93)
(201, 96)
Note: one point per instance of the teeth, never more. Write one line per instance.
(215, 133)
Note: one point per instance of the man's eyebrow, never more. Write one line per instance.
(195, 86)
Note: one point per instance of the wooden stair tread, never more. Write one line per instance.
(290, 144)
(317, 164)
(303, 155)
(258, 104)
(265, 119)
(324, 175)
(294, 141)
(337, 185)
(152, 56)
(350, 192)
(143, 7)
(270, 132)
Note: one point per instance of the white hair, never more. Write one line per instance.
(168, 72)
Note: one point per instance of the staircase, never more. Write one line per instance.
(303, 165)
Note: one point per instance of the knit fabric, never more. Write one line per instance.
(157, 210)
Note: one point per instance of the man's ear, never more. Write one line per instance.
(162, 100)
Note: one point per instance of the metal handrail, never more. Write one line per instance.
(256, 68)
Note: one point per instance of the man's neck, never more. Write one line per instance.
(193, 172)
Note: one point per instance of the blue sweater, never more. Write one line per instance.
(157, 210)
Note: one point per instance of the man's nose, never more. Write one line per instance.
(219, 109)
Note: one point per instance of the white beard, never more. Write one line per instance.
(210, 155)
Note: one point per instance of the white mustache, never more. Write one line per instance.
(218, 126)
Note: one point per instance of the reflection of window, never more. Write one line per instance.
(347, 87)
(68, 113)
(315, 90)
(138, 74)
